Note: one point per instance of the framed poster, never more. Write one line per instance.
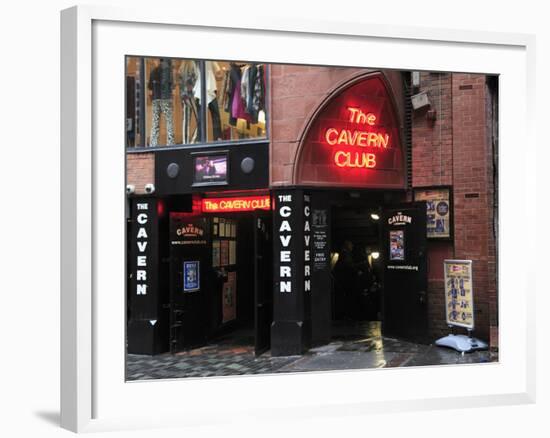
(439, 214)
(95, 395)
(459, 294)
(397, 245)
(191, 276)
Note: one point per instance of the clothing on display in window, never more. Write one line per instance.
(243, 92)
(189, 79)
(189, 86)
(161, 85)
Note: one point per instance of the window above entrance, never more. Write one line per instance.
(177, 102)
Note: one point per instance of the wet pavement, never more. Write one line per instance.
(353, 346)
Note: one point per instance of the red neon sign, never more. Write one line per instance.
(354, 140)
(228, 205)
(355, 137)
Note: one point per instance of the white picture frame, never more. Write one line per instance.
(94, 396)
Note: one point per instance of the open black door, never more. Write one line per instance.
(263, 281)
(405, 310)
(189, 281)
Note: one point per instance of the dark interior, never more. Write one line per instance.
(357, 283)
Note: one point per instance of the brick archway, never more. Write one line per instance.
(353, 138)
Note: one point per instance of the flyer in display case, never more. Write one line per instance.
(438, 211)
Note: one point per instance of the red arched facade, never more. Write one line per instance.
(354, 139)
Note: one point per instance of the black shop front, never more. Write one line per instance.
(227, 253)
(200, 251)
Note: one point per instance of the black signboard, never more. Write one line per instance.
(143, 294)
(320, 240)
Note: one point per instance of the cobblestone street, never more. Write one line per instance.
(234, 355)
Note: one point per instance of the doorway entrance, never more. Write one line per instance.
(220, 270)
(356, 265)
(378, 266)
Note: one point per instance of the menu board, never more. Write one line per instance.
(459, 295)
(438, 211)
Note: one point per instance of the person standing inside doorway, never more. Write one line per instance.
(345, 276)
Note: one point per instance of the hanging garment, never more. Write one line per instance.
(189, 86)
(160, 80)
(161, 85)
(212, 98)
(211, 85)
(216, 120)
(256, 92)
(238, 109)
(226, 91)
(233, 88)
(163, 106)
(245, 80)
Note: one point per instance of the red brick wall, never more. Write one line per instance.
(296, 92)
(455, 150)
(140, 170)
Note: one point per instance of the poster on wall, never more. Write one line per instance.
(224, 253)
(397, 245)
(438, 211)
(320, 240)
(191, 276)
(232, 252)
(229, 298)
(215, 253)
(459, 295)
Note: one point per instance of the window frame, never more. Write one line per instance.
(203, 142)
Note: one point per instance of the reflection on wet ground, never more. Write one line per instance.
(353, 346)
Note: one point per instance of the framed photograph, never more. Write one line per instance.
(339, 148)
(439, 211)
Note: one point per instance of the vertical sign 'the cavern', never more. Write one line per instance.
(291, 328)
(143, 297)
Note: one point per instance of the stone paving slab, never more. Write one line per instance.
(361, 349)
(339, 360)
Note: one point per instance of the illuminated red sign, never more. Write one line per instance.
(356, 137)
(228, 205)
(354, 140)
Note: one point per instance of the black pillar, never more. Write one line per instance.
(144, 325)
(291, 327)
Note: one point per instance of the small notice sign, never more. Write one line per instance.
(459, 295)
(191, 277)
